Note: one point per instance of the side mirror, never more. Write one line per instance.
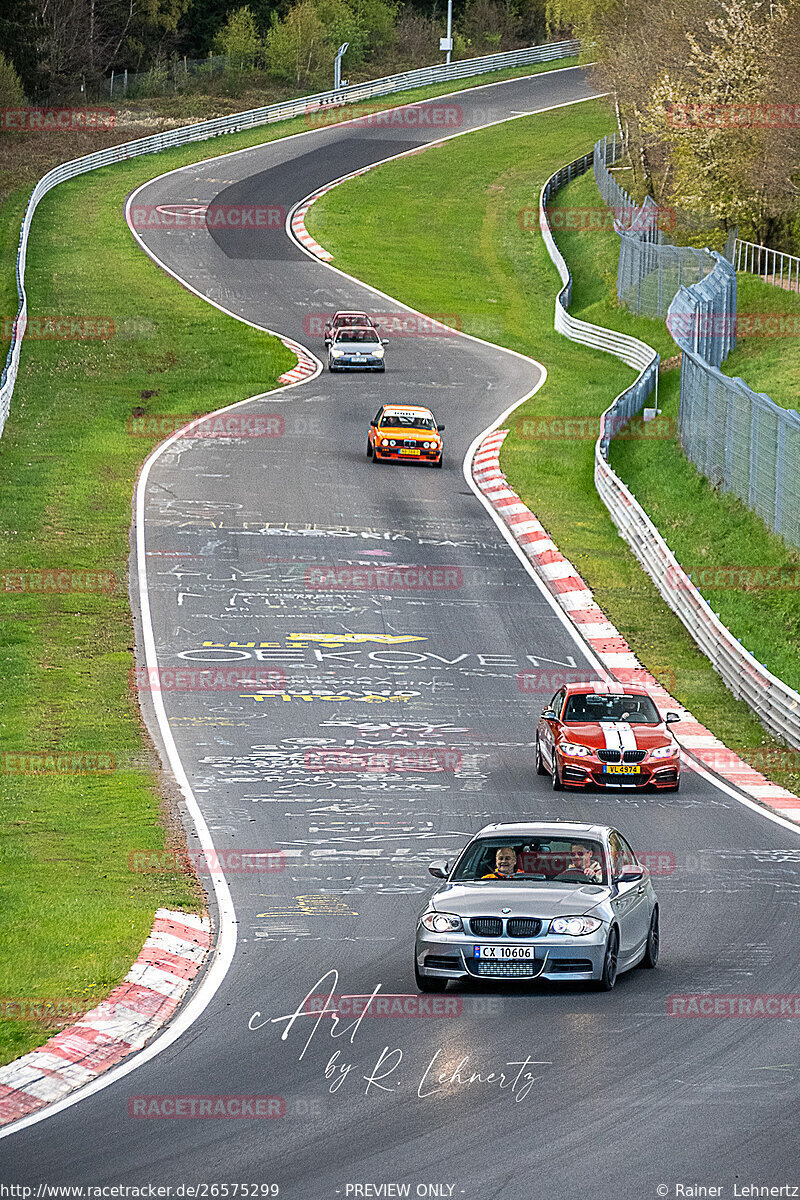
(439, 868)
(672, 718)
(549, 714)
(629, 873)
(440, 428)
(372, 425)
(384, 341)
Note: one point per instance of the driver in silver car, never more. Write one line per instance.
(582, 858)
(505, 864)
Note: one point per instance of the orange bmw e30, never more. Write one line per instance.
(405, 432)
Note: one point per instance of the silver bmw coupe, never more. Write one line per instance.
(557, 901)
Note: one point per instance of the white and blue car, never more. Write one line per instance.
(357, 349)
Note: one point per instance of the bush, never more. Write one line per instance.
(301, 46)
(239, 39)
(11, 91)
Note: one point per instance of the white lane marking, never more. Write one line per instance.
(226, 943)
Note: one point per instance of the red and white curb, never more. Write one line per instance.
(306, 364)
(146, 999)
(575, 597)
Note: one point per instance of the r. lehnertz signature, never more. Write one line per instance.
(385, 1075)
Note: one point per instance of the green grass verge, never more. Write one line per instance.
(457, 209)
(74, 915)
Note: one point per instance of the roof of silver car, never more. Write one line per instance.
(543, 828)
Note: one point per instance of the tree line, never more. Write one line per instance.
(58, 47)
(707, 93)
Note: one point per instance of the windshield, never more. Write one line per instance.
(638, 710)
(406, 420)
(537, 860)
(350, 319)
(365, 334)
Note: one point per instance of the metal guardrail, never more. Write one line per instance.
(775, 704)
(235, 123)
(774, 266)
(636, 354)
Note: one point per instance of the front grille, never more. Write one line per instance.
(554, 965)
(486, 926)
(633, 755)
(608, 755)
(442, 962)
(409, 445)
(504, 970)
(523, 927)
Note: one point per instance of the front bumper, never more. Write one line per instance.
(393, 454)
(347, 364)
(586, 772)
(451, 956)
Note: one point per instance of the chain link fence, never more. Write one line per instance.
(651, 268)
(741, 440)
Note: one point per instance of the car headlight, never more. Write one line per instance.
(377, 351)
(575, 926)
(442, 922)
(575, 751)
(427, 445)
(337, 353)
(392, 442)
(384, 441)
(664, 752)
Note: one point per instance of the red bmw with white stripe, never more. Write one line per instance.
(607, 735)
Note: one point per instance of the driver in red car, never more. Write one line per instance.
(505, 864)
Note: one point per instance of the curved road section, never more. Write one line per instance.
(373, 728)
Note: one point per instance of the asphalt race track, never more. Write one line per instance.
(617, 1097)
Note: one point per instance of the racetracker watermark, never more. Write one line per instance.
(60, 328)
(761, 1004)
(208, 216)
(29, 119)
(587, 429)
(599, 219)
(688, 325)
(221, 425)
(423, 758)
(741, 578)
(206, 862)
(429, 115)
(764, 759)
(398, 1005)
(392, 324)
(384, 579)
(551, 863)
(206, 679)
(58, 580)
(48, 1008)
(49, 762)
(206, 1107)
(549, 681)
(733, 116)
